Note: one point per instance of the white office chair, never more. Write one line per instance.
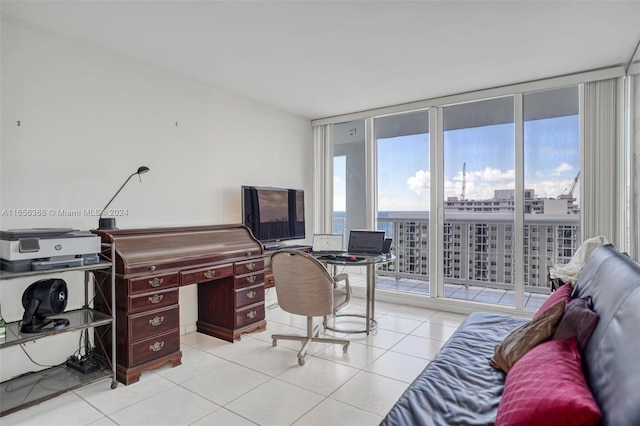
(304, 287)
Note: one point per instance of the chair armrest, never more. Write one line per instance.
(341, 277)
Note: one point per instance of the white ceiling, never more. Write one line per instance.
(323, 58)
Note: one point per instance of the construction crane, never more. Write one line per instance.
(464, 180)
(575, 182)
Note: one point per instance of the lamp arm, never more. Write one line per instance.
(116, 194)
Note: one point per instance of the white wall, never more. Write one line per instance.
(88, 119)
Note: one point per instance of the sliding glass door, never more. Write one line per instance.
(479, 201)
(349, 178)
(551, 179)
(403, 188)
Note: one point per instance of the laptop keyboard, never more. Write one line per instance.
(340, 257)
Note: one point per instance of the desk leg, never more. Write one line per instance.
(371, 287)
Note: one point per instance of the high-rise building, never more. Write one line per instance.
(479, 236)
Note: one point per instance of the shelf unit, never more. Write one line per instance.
(33, 388)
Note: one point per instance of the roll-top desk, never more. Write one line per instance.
(226, 263)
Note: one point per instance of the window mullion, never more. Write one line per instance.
(518, 118)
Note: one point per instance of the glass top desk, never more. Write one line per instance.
(370, 263)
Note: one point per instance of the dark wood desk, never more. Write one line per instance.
(225, 262)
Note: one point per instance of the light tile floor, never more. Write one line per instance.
(251, 382)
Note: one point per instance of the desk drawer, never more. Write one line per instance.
(249, 315)
(153, 300)
(154, 322)
(202, 275)
(154, 347)
(159, 282)
(249, 266)
(248, 295)
(269, 281)
(248, 280)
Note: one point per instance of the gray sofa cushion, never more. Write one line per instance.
(610, 357)
(459, 387)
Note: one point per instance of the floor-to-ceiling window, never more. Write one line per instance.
(503, 169)
(403, 185)
(349, 178)
(479, 200)
(551, 178)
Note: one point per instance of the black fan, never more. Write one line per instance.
(40, 299)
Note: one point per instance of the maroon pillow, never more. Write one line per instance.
(563, 293)
(547, 387)
(578, 321)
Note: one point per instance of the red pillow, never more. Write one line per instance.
(547, 387)
(563, 293)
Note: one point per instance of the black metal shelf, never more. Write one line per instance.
(79, 319)
(4, 275)
(34, 388)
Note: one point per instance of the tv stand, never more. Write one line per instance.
(273, 245)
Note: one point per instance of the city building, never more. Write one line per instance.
(478, 240)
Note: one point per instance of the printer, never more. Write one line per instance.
(38, 249)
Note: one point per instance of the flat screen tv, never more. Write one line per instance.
(273, 214)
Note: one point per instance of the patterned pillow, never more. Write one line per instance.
(579, 320)
(526, 337)
(563, 293)
(547, 387)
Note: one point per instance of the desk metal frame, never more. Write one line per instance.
(370, 264)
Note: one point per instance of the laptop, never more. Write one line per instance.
(324, 244)
(367, 243)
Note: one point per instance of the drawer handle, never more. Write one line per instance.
(252, 314)
(251, 266)
(156, 298)
(209, 274)
(156, 346)
(156, 321)
(251, 279)
(251, 294)
(156, 282)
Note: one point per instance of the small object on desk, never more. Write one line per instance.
(351, 258)
(330, 256)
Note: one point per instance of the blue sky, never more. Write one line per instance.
(551, 163)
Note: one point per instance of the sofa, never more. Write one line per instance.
(460, 387)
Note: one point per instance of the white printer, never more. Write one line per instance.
(38, 249)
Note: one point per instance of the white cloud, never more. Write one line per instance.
(481, 184)
(490, 174)
(391, 202)
(420, 181)
(563, 167)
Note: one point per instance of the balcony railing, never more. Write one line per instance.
(469, 264)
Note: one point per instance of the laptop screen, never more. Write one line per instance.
(366, 242)
(327, 242)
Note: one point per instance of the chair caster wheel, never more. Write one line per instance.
(301, 361)
(274, 342)
(345, 348)
(114, 384)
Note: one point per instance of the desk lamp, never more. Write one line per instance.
(110, 222)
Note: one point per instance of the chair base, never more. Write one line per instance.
(312, 336)
(373, 324)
